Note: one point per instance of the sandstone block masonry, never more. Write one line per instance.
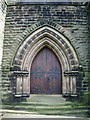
(21, 16)
(2, 23)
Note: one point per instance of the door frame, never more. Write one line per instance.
(62, 48)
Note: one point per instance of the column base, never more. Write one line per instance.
(71, 96)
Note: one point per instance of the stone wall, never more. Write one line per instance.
(21, 16)
(88, 13)
(2, 22)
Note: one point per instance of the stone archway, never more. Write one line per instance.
(60, 45)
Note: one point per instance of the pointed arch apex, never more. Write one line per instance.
(46, 23)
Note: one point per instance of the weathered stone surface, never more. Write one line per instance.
(2, 22)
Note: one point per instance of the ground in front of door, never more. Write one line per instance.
(43, 106)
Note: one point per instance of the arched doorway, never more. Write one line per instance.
(55, 41)
(45, 73)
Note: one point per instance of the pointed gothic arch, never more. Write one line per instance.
(57, 41)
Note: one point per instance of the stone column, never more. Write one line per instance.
(22, 83)
(26, 86)
(74, 84)
(19, 85)
(71, 81)
(67, 84)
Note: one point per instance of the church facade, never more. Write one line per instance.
(45, 48)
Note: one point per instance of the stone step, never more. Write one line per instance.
(46, 105)
(65, 113)
(40, 108)
(47, 99)
(14, 111)
(36, 108)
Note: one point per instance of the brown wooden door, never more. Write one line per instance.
(45, 73)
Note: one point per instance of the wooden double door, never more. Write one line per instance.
(45, 73)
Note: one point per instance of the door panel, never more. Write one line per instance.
(45, 73)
